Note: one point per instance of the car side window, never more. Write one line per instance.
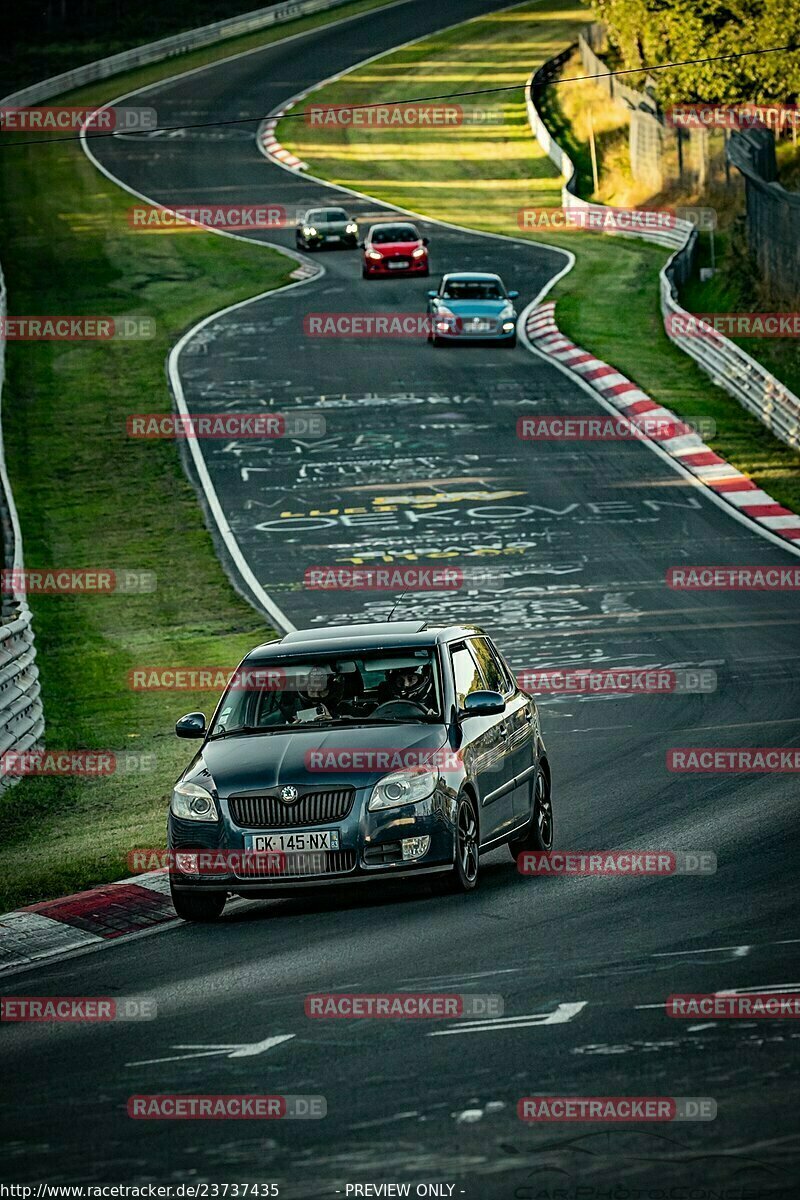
(496, 679)
(508, 674)
(466, 674)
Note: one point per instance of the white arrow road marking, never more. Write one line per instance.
(562, 1014)
(231, 1050)
(738, 952)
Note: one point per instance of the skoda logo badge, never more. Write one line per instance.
(289, 794)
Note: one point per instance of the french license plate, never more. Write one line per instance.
(398, 265)
(320, 839)
(332, 237)
(480, 326)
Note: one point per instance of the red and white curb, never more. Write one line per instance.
(87, 919)
(273, 148)
(687, 449)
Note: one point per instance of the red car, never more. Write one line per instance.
(395, 249)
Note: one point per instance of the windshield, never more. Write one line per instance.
(395, 233)
(323, 215)
(393, 686)
(472, 289)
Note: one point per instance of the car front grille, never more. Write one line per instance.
(270, 812)
(297, 866)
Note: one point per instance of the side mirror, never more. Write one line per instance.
(193, 725)
(361, 245)
(483, 704)
(432, 295)
(513, 295)
(426, 241)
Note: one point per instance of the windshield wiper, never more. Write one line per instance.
(237, 729)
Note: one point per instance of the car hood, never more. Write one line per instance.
(307, 757)
(477, 308)
(395, 247)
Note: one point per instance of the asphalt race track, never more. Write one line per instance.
(421, 458)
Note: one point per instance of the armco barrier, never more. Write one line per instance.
(728, 365)
(179, 43)
(21, 716)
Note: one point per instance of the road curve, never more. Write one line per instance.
(421, 459)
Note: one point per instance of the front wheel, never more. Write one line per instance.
(538, 836)
(464, 875)
(198, 906)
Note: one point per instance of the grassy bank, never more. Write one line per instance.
(480, 175)
(90, 497)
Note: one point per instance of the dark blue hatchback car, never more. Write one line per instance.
(338, 755)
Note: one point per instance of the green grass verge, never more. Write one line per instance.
(89, 496)
(480, 176)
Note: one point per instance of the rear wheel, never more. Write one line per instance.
(464, 875)
(539, 834)
(198, 906)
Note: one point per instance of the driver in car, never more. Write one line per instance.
(412, 684)
(320, 698)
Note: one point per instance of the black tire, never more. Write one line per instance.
(538, 836)
(436, 342)
(511, 342)
(198, 906)
(364, 274)
(465, 873)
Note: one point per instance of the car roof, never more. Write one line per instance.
(477, 276)
(326, 208)
(374, 635)
(392, 225)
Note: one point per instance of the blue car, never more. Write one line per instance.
(472, 305)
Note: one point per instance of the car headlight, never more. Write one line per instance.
(351, 227)
(309, 231)
(403, 787)
(193, 803)
(508, 326)
(374, 255)
(420, 252)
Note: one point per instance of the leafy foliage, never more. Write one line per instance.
(651, 32)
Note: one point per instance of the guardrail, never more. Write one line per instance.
(179, 43)
(728, 365)
(21, 715)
